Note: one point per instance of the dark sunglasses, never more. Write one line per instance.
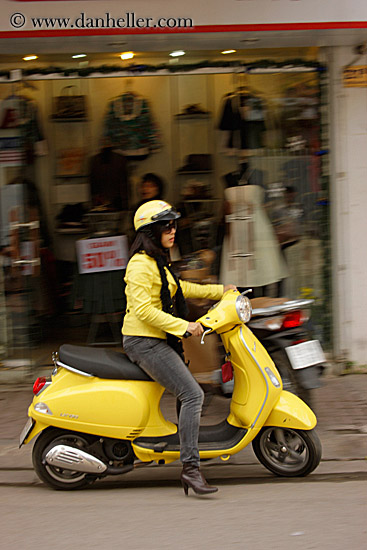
(168, 226)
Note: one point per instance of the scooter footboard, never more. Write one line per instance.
(290, 411)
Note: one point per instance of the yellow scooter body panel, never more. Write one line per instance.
(291, 412)
(122, 409)
(257, 382)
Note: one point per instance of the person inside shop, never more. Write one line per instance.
(108, 178)
(151, 188)
(153, 326)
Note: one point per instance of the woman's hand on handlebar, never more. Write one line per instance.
(196, 329)
(230, 287)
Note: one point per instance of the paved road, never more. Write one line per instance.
(247, 513)
(147, 508)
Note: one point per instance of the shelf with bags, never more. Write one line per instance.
(192, 172)
(71, 163)
(185, 117)
(68, 120)
(67, 177)
(207, 200)
(194, 111)
(69, 124)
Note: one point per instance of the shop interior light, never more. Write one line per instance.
(30, 57)
(77, 55)
(224, 52)
(127, 55)
(177, 53)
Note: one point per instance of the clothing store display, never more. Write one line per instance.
(70, 104)
(251, 255)
(70, 162)
(108, 180)
(72, 216)
(243, 120)
(300, 113)
(195, 110)
(11, 151)
(252, 176)
(197, 163)
(101, 292)
(303, 173)
(129, 126)
(21, 113)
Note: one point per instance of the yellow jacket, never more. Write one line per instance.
(144, 315)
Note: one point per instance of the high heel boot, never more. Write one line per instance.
(192, 477)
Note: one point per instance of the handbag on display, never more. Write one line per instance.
(197, 163)
(70, 162)
(70, 104)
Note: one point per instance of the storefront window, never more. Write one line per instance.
(223, 146)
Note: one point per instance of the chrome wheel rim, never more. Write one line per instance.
(284, 449)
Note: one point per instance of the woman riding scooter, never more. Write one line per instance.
(153, 326)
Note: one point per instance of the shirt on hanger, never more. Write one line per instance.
(129, 126)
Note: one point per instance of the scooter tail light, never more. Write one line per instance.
(295, 319)
(39, 384)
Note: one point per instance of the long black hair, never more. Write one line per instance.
(148, 239)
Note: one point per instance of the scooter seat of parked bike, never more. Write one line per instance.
(102, 363)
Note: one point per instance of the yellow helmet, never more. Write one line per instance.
(152, 212)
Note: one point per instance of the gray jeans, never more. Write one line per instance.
(165, 366)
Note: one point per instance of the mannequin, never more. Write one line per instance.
(251, 255)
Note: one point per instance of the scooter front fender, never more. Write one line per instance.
(291, 412)
(38, 427)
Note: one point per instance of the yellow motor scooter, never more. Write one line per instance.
(100, 413)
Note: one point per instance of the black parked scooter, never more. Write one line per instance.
(283, 327)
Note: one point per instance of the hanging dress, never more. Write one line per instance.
(251, 255)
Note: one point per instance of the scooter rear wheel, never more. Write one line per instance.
(287, 452)
(59, 478)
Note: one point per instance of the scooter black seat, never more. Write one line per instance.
(102, 363)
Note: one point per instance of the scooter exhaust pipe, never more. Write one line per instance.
(70, 458)
(64, 456)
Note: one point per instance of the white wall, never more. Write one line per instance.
(215, 12)
(349, 209)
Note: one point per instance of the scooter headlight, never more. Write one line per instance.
(243, 308)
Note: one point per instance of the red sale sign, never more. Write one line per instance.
(102, 254)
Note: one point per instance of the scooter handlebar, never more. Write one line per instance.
(188, 334)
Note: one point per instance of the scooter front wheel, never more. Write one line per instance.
(55, 477)
(287, 452)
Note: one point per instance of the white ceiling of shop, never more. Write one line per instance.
(193, 43)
